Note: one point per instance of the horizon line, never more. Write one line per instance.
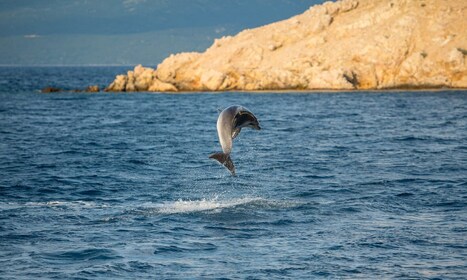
(70, 65)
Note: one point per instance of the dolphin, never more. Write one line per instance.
(229, 124)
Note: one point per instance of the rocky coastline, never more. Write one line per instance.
(343, 45)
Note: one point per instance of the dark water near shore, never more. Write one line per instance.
(336, 185)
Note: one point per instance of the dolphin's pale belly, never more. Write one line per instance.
(224, 131)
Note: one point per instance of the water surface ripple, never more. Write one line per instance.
(336, 185)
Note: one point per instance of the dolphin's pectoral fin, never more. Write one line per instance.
(225, 160)
(236, 132)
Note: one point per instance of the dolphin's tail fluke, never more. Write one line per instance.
(225, 160)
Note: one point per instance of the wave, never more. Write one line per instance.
(54, 203)
(72, 204)
(89, 254)
(190, 206)
(182, 206)
(185, 248)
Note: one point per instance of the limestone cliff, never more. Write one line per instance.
(349, 44)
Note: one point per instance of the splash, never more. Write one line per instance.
(217, 205)
(189, 206)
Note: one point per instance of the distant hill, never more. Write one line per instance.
(349, 44)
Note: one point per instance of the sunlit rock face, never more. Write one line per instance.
(349, 44)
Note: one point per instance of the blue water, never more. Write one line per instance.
(336, 185)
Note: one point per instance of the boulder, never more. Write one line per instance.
(94, 88)
(50, 89)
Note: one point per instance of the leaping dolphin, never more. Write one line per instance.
(229, 124)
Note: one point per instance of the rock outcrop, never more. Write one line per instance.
(349, 44)
(50, 90)
(92, 88)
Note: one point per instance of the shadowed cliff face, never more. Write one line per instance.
(350, 44)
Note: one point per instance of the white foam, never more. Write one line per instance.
(188, 206)
(214, 204)
(72, 204)
(52, 204)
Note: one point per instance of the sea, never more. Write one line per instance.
(336, 185)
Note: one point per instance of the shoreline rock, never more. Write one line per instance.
(50, 90)
(344, 45)
(92, 88)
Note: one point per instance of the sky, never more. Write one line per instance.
(126, 32)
